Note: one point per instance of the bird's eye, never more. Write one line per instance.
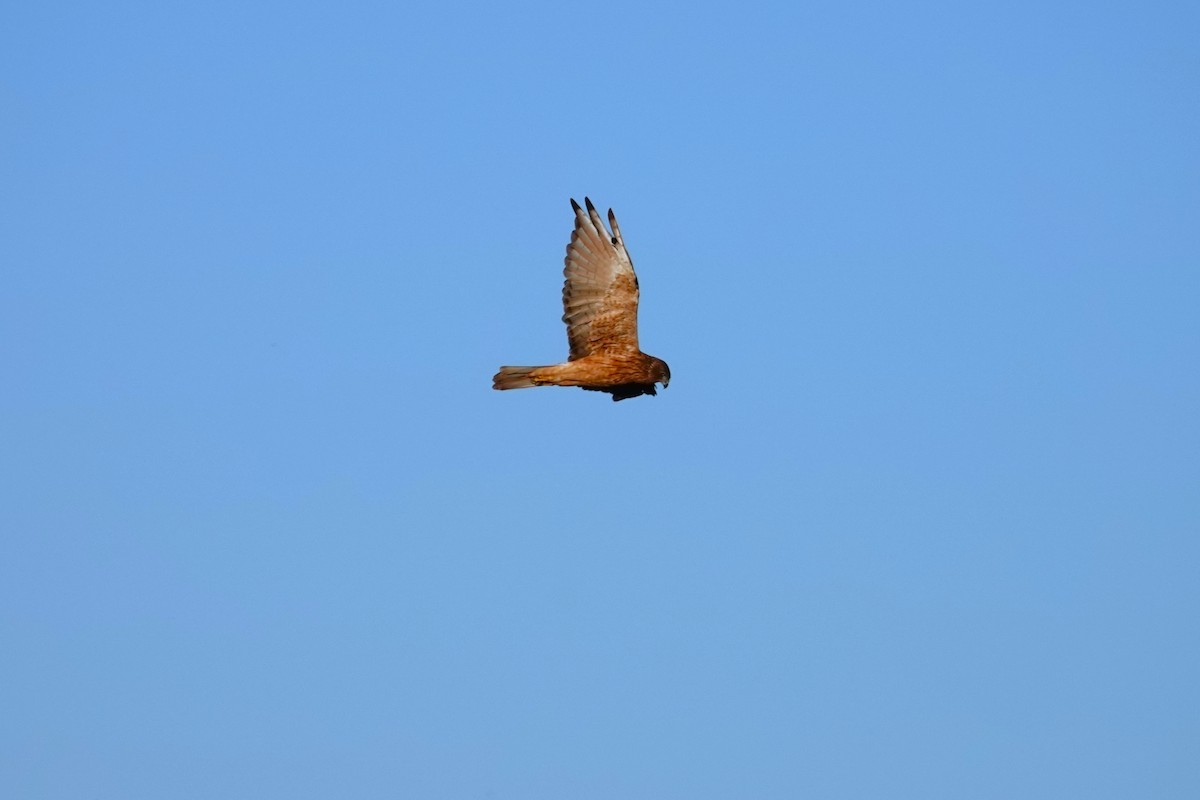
(614, 240)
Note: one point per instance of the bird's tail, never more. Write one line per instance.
(514, 378)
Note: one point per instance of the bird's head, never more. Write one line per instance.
(662, 373)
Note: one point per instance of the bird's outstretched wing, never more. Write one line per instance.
(600, 295)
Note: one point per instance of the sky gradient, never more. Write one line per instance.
(918, 516)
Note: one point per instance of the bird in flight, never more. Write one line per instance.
(600, 304)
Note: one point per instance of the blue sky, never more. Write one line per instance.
(917, 516)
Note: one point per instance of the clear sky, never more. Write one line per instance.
(919, 516)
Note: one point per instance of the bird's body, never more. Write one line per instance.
(600, 302)
(623, 375)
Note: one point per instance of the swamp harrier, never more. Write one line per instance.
(600, 303)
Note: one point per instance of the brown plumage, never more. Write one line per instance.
(600, 303)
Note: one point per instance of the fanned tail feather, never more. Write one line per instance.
(514, 378)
